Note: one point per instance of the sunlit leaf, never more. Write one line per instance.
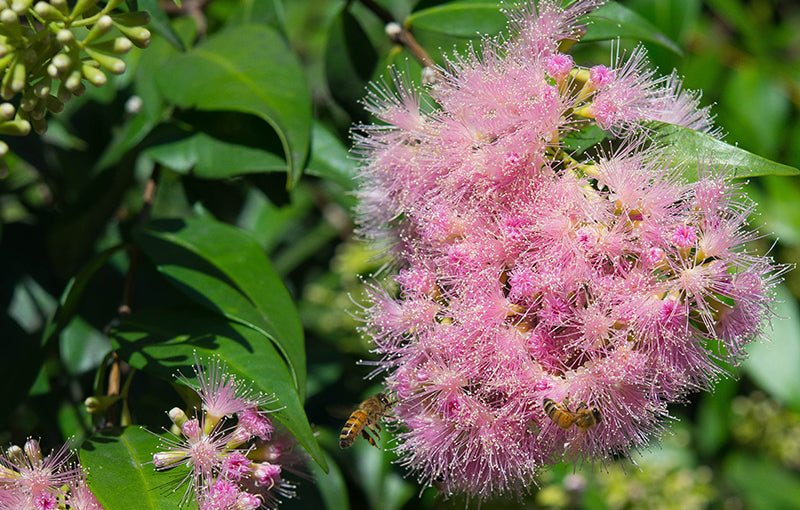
(250, 70)
(121, 473)
(699, 150)
(463, 19)
(225, 270)
(162, 341)
(211, 158)
(614, 20)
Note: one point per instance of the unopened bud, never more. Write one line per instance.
(61, 5)
(62, 62)
(39, 111)
(101, 28)
(42, 87)
(73, 81)
(96, 404)
(118, 46)
(47, 12)
(9, 18)
(4, 50)
(54, 105)
(139, 36)
(393, 30)
(39, 126)
(52, 71)
(33, 451)
(64, 36)
(18, 79)
(109, 63)
(94, 75)
(3, 153)
(20, 6)
(177, 416)
(15, 453)
(7, 112)
(28, 102)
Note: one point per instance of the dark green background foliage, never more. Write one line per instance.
(248, 251)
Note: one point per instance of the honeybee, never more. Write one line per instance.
(584, 417)
(365, 418)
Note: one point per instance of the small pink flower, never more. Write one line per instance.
(601, 76)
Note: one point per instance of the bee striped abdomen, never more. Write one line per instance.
(355, 424)
(559, 413)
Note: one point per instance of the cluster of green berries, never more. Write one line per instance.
(48, 49)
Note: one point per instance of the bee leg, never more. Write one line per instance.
(582, 406)
(369, 438)
(377, 426)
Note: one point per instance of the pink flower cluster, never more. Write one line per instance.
(31, 481)
(524, 274)
(233, 464)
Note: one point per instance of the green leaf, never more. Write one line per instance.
(763, 485)
(330, 159)
(120, 476)
(350, 60)
(82, 347)
(578, 141)
(225, 270)
(208, 157)
(159, 22)
(614, 20)
(161, 341)
(699, 150)
(250, 70)
(70, 298)
(152, 110)
(331, 485)
(465, 19)
(773, 365)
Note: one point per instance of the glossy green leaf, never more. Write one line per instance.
(225, 270)
(698, 150)
(211, 158)
(70, 298)
(614, 20)
(161, 341)
(250, 70)
(773, 365)
(463, 19)
(121, 474)
(330, 159)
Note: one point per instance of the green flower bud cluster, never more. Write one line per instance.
(48, 49)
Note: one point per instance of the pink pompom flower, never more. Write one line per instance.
(549, 307)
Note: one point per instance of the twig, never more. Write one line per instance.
(399, 34)
(148, 197)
